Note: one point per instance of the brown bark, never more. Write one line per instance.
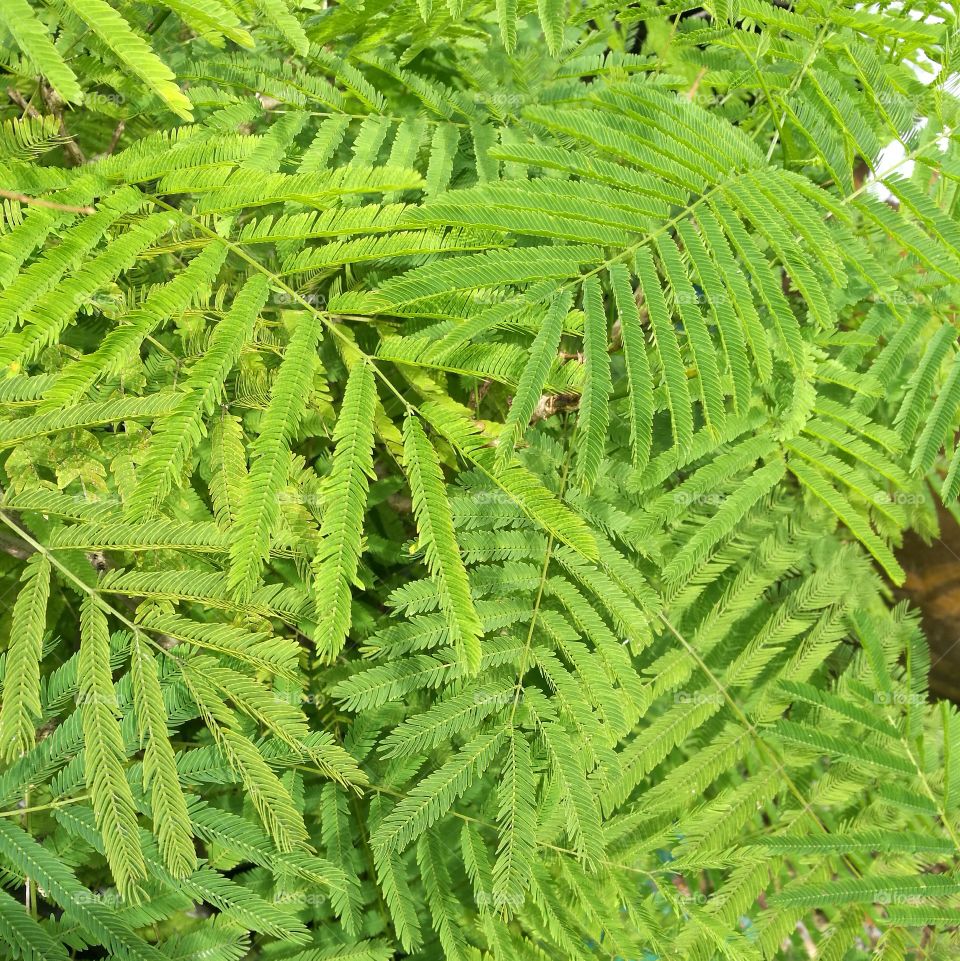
(933, 586)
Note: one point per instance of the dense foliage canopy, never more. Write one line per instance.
(452, 457)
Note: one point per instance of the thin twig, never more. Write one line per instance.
(24, 105)
(55, 106)
(692, 92)
(117, 134)
(49, 204)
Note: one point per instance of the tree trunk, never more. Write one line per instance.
(933, 586)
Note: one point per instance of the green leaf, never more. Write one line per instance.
(639, 381)
(104, 753)
(543, 352)
(439, 543)
(24, 937)
(341, 535)
(594, 416)
(516, 821)
(178, 434)
(259, 508)
(21, 711)
(33, 39)
(132, 51)
(435, 794)
(104, 923)
(169, 807)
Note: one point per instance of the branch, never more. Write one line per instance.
(117, 134)
(55, 106)
(49, 204)
(692, 92)
(27, 108)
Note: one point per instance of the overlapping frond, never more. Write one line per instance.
(338, 555)
(491, 430)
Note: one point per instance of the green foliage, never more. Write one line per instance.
(453, 463)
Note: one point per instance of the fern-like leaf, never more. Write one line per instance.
(33, 39)
(259, 508)
(178, 434)
(21, 710)
(594, 415)
(341, 535)
(435, 525)
(104, 754)
(534, 376)
(133, 52)
(170, 817)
